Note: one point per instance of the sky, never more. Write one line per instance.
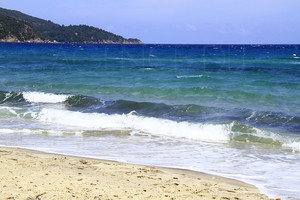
(177, 21)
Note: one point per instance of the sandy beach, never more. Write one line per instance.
(29, 175)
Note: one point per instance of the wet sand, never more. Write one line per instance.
(30, 175)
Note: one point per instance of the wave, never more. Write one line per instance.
(135, 122)
(245, 133)
(69, 100)
(12, 97)
(32, 97)
(289, 123)
(41, 97)
(162, 120)
(81, 101)
(92, 104)
(97, 124)
(276, 121)
(132, 122)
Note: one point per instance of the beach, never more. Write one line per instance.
(27, 174)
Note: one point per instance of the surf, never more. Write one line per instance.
(134, 123)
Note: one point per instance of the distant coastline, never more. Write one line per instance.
(37, 41)
(19, 27)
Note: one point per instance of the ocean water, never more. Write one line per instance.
(229, 110)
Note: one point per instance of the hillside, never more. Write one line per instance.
(13, 30)
(19, 27)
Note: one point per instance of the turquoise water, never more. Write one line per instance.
(184, 106)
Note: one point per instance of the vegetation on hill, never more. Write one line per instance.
(13, 29)
(82, 34)
(14, 24)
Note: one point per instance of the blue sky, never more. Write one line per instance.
(177, 21)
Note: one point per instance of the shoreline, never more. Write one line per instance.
(52, 42)
(30, 174)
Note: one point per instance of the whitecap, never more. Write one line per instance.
(41, 97)
(131, 121)
(190, 76)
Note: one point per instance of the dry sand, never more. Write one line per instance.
(28, 175)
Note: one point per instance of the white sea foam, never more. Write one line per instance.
(190, 76)
(40, 97)
(136, 124)
(28, 131)
(10, 111)
(131, 121)
(295, 146)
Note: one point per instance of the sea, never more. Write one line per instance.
(228, 110)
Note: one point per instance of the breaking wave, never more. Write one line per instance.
(189, 121)
(135, 123)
